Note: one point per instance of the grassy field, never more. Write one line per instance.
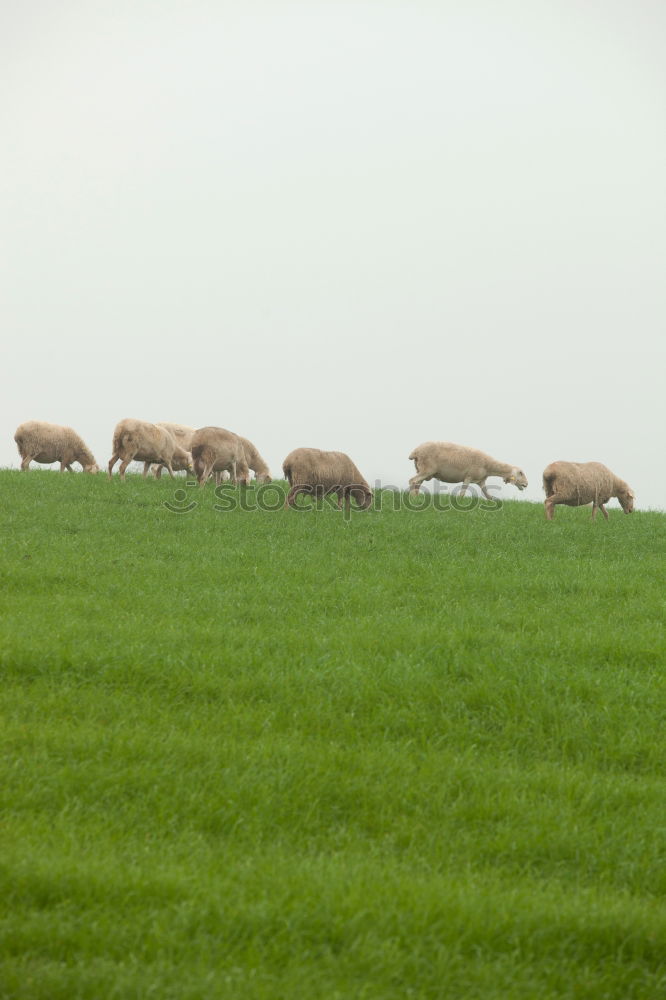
(262, 755)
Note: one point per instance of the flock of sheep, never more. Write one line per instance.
(216, 452)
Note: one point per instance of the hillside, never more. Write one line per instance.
(277, 754)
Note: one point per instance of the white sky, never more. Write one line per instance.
(340, 224)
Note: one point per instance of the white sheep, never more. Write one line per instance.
(318, 473)
(578, 483)
(254, 461)
(217, 450)
(140, 441)
(455, 463)
(183, 437)
(39, 441)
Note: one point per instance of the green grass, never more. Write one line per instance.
(276, 755)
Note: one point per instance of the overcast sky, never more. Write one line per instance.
(356, 226)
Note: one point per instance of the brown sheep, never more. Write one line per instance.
(39, 441)
(183, 437)
(254, 460)
(140, 441)
(216, 450)
(319, 473)
(578, 483)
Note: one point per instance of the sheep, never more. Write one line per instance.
(39, 441)
(254, 460)
(138, 440)
(215, 449)
(183, 437)
(455, 463)
(319, 473)
(578, 483)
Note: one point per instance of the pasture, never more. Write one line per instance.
(275, 755)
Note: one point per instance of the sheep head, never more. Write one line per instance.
(189, 464)
(517, 477)
(626, 497)
(242, 474)
(181, 459)
(362, 495)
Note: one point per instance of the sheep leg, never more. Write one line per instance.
(342, 496)
(415, 483)
(157, 471)
(25, 464)
(549, 504)
(482, 487)
(293, 493)
(205, 474)
(218, 478)
(167, 466)
(123, 467)
(603, 510)
(463, 488)
(112, 461)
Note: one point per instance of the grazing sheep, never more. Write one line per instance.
(255, 461)
(454, 463)
(318, 473)
(41, 442)
(215, 449)
(183, 437)
(140, 441)
(578, 483)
